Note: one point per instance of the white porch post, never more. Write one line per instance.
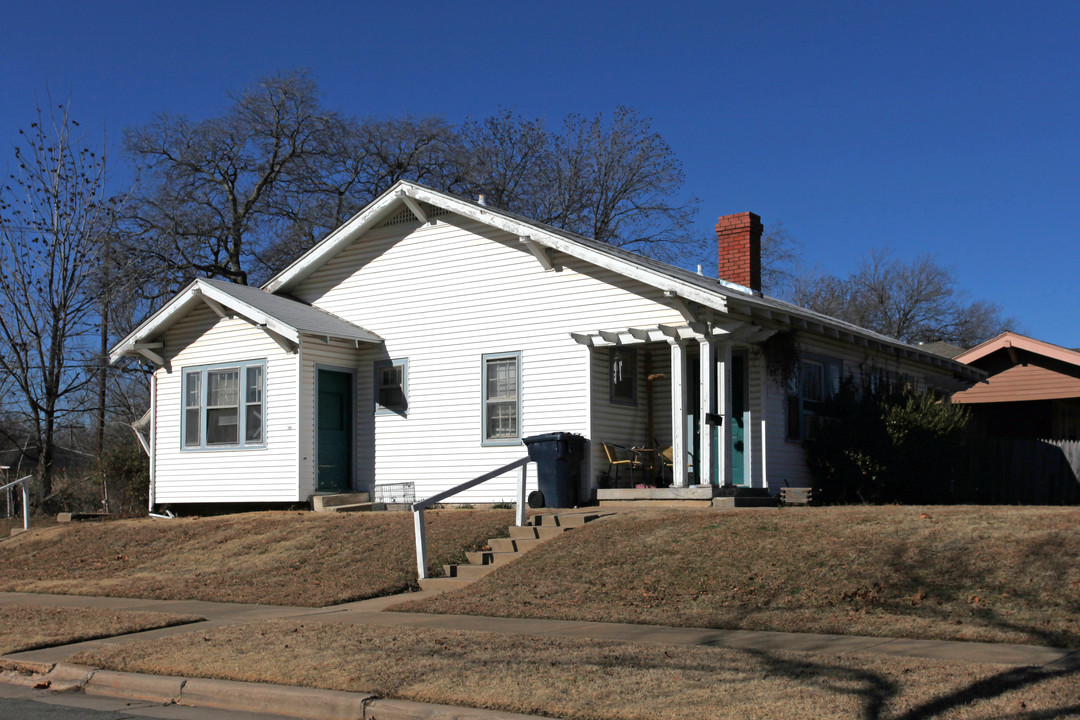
(764, 425)
(679, 476)
(723, 401)
(708, 381)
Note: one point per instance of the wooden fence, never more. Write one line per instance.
(1011, 471)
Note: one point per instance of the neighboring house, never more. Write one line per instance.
(1032, 389)
(425, 338)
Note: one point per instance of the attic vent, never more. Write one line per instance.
(405, 215)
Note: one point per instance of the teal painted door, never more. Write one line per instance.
(334, 431)
(738, 424)
(738, 419)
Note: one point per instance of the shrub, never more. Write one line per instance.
(887, 443)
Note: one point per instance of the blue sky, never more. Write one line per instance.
(940, 127)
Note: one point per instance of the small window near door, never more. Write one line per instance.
(622, 376)
(391, 386)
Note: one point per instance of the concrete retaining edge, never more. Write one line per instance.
(281, 700)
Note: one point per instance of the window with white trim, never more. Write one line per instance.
(817, 380)
(391, 386)
(224, 406)
(502, 399)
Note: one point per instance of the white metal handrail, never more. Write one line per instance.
(25, 498)
(419, 507)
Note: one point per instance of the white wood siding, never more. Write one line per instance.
(445, 293)
(267, 474)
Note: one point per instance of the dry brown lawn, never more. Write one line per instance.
(28, 628)
(276, 558)
(998, 574)
(587, 679)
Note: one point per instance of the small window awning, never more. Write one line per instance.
(284, 319)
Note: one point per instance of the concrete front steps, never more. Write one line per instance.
(537, 530)
(703, 496)
(345, 502)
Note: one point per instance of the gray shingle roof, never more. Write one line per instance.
(291, 312)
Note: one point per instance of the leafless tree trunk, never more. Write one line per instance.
(51, 216)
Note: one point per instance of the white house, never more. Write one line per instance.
(425, 338)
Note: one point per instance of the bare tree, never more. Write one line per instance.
(910, 301)
(212, 186)
(52, 214)
(780, 253)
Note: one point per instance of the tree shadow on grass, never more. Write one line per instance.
(875, 692)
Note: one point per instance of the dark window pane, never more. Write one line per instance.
(221, 426)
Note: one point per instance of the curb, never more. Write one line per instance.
(278, 700)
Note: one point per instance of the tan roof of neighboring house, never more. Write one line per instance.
(1038, 371)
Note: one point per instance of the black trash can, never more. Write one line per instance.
(558, 457)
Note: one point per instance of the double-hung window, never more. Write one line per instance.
(817, 380)
(224, 405)
(502, 399)
(391, 386)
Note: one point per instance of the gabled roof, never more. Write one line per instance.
(1009, 339)
(284, 318)
(678, 283)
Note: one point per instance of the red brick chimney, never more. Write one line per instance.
(739, 249)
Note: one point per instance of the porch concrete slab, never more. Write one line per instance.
(671, 493)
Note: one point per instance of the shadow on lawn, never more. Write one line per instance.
(875, 692)
(1045, 558)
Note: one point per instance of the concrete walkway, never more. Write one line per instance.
(373, 612)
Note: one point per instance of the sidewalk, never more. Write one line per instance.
(268, 698)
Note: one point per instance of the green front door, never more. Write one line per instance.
(334, 431)
(738, 419)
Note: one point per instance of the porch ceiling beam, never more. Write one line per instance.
(544, 255)
(681, 305)
(414, 206)
(622, 337)
(648, 334)
(761, 335)
(681, 332)
(746, 331)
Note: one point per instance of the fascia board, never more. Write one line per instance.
(156, 322)
(1021, 342)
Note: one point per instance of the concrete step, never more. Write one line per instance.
(745, 502)
(489, 557)
(510, 545)
(468, 572)
(529, 531)
(323, 503)
(442, 584)
(357, 507)
(565, 520)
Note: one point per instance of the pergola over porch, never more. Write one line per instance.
(714, 342)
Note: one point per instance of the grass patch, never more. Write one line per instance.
(599, 680)
(29, 628)
(995, 574)
(277, 558)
